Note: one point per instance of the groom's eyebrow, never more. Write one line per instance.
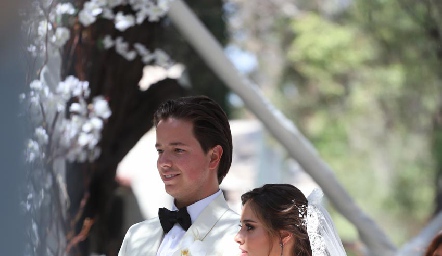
(171, 144)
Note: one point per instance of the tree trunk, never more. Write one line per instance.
(91, 187)
(437, 156)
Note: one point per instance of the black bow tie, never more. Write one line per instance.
(169, 218)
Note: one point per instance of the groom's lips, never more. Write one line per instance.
(168, 177)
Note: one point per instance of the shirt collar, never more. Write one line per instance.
(196, 208)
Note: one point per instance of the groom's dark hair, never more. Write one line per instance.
(210, 125)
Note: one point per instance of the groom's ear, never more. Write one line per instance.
(215, 156)
(285, 236)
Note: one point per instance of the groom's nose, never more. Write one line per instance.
(164, 160)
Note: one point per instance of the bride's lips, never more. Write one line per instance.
(243, 253)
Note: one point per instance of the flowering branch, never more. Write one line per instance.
(67, 123)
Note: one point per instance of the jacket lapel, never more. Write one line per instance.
(147, 239)
(207, 219)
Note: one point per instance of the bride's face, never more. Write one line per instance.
(253, 238)
(438, 251)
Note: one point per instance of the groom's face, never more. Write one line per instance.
(186, 170)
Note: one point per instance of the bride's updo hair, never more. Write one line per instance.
(281, 207)
(434, 245)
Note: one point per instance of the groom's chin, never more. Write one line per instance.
(171, 190)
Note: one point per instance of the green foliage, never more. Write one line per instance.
(323, 50)
(363, 87)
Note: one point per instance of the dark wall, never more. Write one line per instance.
(12, 74)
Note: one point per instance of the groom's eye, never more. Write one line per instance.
(178, 150)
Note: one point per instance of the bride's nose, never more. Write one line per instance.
(238, 238)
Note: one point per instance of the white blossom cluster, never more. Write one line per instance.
(75, 136)
(145, 9)
(158, 56)
(44, 26)
(45, 22)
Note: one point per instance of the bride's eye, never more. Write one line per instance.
(249, 227)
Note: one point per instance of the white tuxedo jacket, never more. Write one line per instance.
(216, 227)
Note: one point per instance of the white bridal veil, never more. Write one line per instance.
(321, 231)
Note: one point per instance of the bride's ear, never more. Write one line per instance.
(285, 236)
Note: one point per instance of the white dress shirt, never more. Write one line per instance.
(172, 239)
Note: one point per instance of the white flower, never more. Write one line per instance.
(60, 106)
(175, 71)
(120, 46)
(142, 15)
(43, 27)
(36, 85)
(123, 22)
(72, 87)
(33, 151)
(32, 49)
(77, 108)
(161, 58)
(108, 14)
(155, 13)
(70, 130)
(141, 49)
(138, 4)
(46, 92)
(64, 88)
(61, 36)
(152, 75)
(93, 141)
(100, 3)
(164, 4)
(97, 123)
(77, 154)
(87, 127)
(94, 7)
(80, 88)
(101, 108)
(64, 8)
(148, 58)
(130, 55)
(114, 3)
(41, 135)
(86, 17)
(108, 42)
(34, 99)
(84, 139)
